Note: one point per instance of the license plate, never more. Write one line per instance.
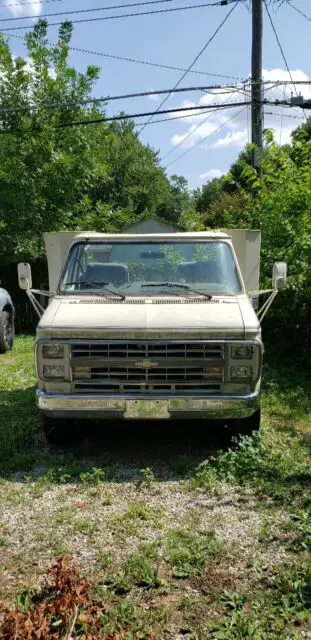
(152, 409)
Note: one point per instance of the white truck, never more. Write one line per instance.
(151, 326)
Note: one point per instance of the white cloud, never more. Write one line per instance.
(18, 8)
(153, 96)
(236, 132)
(211, 174)
(232, 139)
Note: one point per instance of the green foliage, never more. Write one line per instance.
(273, 462)
(277, 201)
(146, 479)
(55, 177)
(187, 552)
(94, 477)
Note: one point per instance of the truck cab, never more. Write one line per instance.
(151, 326)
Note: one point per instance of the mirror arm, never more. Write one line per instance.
(266, 306)
(46, 294)
(255, 294)
(36, 305)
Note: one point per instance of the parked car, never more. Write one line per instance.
(7, 313)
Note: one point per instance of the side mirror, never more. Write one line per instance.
(24, 276)
(279, 276)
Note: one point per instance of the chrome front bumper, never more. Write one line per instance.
(146, 407)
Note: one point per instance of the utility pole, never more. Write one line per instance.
(256, 89)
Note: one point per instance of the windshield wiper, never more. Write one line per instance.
(177, 284)
(99, 284)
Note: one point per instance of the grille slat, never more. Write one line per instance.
(148, 350)
(149, 366)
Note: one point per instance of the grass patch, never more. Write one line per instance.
(187, 553)
(19, 420)
(135, 518)
(283, 610)
(187, 581)
(275, 463)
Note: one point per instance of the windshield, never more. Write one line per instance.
(151, 268)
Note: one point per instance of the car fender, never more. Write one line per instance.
(6, 303)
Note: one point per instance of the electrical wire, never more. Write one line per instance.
(144, 62)
(128, 116)
(147, 113)
(298, 10)
(67, 13)
(186, 115)
(25, 4)
(182, 77)
(141, 94)
(280, 46)
(205, 137)
(283, 115)
(115, 17)
(190, 134)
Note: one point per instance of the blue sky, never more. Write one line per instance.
(175, 39)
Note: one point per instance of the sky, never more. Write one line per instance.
(202, 146)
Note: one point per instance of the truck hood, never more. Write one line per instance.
(151, 318)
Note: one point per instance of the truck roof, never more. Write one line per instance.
(144, 237)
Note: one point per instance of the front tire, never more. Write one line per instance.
(57, 431)
(6, 331)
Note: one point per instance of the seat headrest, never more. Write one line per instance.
(203, 271)
(115, 273)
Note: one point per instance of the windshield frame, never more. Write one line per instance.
(152, 241)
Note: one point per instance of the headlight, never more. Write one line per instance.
(242, 372)
(53, 351)
(56, 372)
(242, 352)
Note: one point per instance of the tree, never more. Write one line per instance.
(45, 169)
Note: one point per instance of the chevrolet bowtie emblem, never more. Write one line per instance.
(146, 364)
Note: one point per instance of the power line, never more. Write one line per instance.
(283, 115)
(182, 117)
(130, 116)
(280, 46)
(141, 94)
(117, 17)
(144, 62)
(66, 13)
(24, 4)
(205, 138)
(202, 109)
(298, 10)
(194, 61)
(186, 115)
(148, 113)
(190, 134)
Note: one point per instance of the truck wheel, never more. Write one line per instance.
(6, 331)
(246, 426)
(56, 431)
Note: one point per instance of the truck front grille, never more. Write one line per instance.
(143, 367)
(118, 349)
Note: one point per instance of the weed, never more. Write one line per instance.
(124, 615)
(187, 553)
(85, 526)
(137, 514)
(236, 626)
(205, 478)
(274, 463)
(94, 477)
(146, 479)
(142, 571)
(53, 612)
